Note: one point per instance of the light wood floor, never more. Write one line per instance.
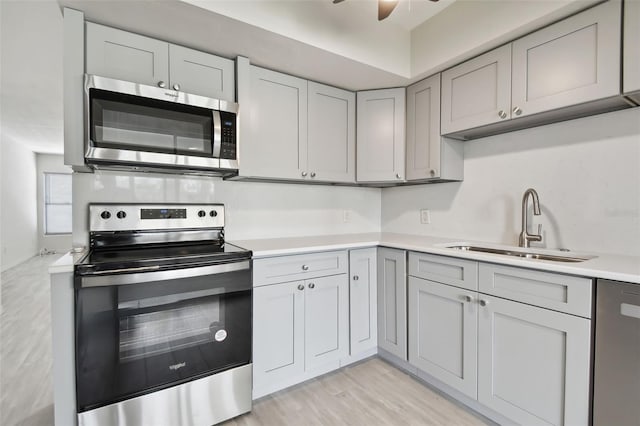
(370, 393)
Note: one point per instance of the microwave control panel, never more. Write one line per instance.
(228, 130)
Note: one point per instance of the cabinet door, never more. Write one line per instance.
(392, 301)
(533, 363)
(363, 299)
(278, 333)
(573, 61)
(126, 56)
(477, 92)
(442, 333)
(423, 129)
(631, 53)
(326, 320)
(381, 130)
(331, 153)
(274, 126)
(201, 73)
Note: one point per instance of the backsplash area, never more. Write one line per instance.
(254, 210)
(586, 171)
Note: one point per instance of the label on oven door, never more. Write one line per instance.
(220, 335)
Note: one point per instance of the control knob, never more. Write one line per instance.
(105, 215)
(213, 213)
(202, 213)
(121, 214)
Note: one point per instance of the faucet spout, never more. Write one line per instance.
(525, 238)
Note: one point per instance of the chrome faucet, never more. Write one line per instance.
(525, 237)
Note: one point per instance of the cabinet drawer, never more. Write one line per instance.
(289, 268)
(564, 293)
(446, 270)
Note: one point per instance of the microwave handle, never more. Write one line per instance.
(217, 134)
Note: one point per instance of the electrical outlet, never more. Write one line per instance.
(425, 216)
(346, 216)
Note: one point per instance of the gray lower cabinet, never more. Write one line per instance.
(523, 358)
(132, 57)
(533, 363)
(392, 301)
(443, 333)
(363, 300)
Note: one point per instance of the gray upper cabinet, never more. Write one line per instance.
(127, 56)
(197, 72)
(574, 61)
(477, 92)
(429, 156)
(331, 151)
(631, 56)
(273, 125)
(392, 301)
(381, 135)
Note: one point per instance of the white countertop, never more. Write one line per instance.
(608, 266)
(66, 262)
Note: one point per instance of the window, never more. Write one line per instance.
(57, 203)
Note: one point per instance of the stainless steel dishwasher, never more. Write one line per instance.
(616, 394)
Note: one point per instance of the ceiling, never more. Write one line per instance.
(338, 44)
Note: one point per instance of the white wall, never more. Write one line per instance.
(253, 210)
(586, 171)
(18, 220)
(49, 163)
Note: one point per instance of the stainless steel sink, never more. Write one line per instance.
(528, 254)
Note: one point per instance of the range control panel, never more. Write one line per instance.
(131, 217)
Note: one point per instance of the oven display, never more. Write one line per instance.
(163, 213)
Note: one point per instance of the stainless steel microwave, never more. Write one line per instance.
(138, 127)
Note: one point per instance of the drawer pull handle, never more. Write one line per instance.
(312, 285)
(305, 268)
(467, 298)
(300, 287)
(483, 302)
(356, 278)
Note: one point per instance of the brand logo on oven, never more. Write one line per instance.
(176, 366)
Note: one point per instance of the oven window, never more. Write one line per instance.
(137, 338)
(129, 122)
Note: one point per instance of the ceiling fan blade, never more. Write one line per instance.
(385, 7)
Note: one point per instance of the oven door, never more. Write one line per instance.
(141, 332)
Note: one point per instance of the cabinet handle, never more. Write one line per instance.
(517, 111)
(467, 298)
(312, 285)
(176, 86)
(502, 114)
(162, 84)
(483, 302)
(356, 278)
(398, 176)
(313, 174)
(305, 268)
(300, 287)
(432, 172)
(304, 174)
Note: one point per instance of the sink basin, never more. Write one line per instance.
(523, 253)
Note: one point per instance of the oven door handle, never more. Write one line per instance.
(136, 277)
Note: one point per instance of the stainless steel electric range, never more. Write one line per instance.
(163, 318)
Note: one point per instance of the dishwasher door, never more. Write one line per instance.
(616, 399)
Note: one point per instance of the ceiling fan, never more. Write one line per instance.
(385, 7)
